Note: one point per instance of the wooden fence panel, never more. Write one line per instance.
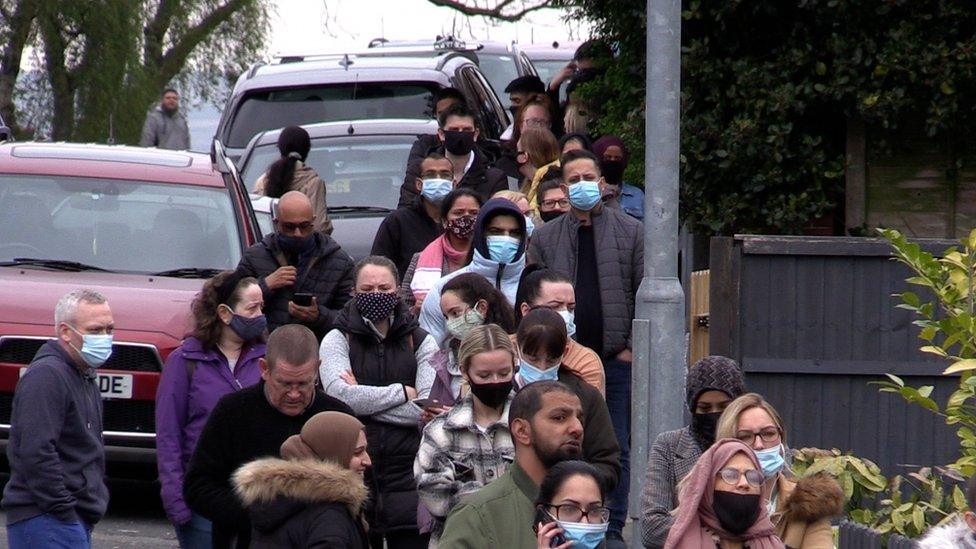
(698, 316)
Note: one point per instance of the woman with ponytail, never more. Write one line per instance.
(290, 173)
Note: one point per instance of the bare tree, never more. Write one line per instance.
(502, 10)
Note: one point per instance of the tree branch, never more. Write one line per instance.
(19, 21)
(176, 56)
(155, 31)
(469, 7)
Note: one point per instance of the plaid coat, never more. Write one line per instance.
(673, 456)
(457, 458)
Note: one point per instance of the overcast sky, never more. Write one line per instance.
(337, 25)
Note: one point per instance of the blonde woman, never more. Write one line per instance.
(800, 509)
(538, 150)
(470, 445)
(522, 202)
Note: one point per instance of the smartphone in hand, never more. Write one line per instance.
(542, 518)
(427, 402)
(302, 299)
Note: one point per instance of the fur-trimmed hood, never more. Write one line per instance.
(813, 498)
(955, 534)
(304, 481)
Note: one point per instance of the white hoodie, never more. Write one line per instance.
(954, 535)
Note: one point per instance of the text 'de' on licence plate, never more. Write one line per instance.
(110, 385)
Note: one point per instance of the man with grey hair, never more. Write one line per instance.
(253, 423)
(57, 493)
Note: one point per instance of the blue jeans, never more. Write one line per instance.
(618, 402)
(195, 534)
(47, 532)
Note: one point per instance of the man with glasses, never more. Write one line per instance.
(57, 491)
(253, 423)
(545, 419)
(306, 278)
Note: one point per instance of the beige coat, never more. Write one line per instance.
(307, 182)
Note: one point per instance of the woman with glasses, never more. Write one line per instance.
(720, 506)
(290, 173)
(570, 510)
(376, 361)
(800, 509)
(711, 385)
(470, 445)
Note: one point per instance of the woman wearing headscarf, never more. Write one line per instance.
(711, 384)
(613, 156)
(721, 505)
(290, 173)
(313, 495)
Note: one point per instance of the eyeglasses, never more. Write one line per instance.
(535, 123)
(731, 476)
(767, 434)
(569, 512)
(562, 203)
(305, 227)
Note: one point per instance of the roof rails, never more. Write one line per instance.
(440, 43)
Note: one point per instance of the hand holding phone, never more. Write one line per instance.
(427, 402)
(548, 532)
(302, 299)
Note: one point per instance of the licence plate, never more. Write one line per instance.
(110, 385)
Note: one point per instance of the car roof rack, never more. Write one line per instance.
(440, 43)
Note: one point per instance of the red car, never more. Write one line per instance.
(143, 226)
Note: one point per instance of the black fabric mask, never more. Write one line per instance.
(492, 395)
(613, 171)
(295, 244)
(458, 142)
(703, 428)
(736, 512)
(549, 216)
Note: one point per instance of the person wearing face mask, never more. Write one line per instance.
(800, 509)
(553, 200)
(470, 445)
(720, 506)
(406, 231)
(296, 259)
(541, 288)
(313, 495)
(710, 385)
(522, 203)
(542, 342)
(219, 357)
(571, 502)
(447, 253)
(613, 155)
(376, 360)
(602, 249)
(497, 254)
(443, 99)
(458, 135)
(56, 492)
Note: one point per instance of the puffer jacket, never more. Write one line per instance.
(392, 446)
(804, 509)
(302, 504)
(306, 181)
(503, 276)
(480, 177)
(619, 242)
(326, 273)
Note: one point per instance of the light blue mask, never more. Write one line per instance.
(96, 348)
(570, 319)
(434, 189)
(531, 374)
(503, 249)
(771, 460)
(529, 226)
(584, 195)
(584, 535)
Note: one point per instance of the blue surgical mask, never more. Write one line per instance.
(570, 319)
(434, 189)
(531, 374)
(96, 348)
(771, 460)
(583, 534)
(503, 249)
(529, 226)
(584, 195)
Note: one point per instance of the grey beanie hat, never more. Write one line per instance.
(714, 373)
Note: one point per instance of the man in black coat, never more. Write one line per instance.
(458, 135)
(253, 423)
(297, 259)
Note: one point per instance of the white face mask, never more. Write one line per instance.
(570, 319)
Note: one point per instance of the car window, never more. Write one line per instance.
(358, 171)
(113, 224)
(271, 109)
(499, 70)
(495, 116)
(548, 68)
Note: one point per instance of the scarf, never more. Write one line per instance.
(696, 521)
(430, 266)
(532, 192)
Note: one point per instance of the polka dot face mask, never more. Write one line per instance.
(377, 306)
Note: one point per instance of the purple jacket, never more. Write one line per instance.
(183, 406)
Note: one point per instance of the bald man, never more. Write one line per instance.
(297, 261)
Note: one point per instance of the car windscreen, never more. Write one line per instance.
(130, 226)
(499, 70)
(548, 68)
(359, 171)
(266, 110)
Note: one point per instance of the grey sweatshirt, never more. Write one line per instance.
(57, 458)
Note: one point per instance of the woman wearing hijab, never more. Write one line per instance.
(313, 495)
(290, 173)
(712, 384)
(613, 156)
(721, 505)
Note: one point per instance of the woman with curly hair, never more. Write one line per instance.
(218, 357)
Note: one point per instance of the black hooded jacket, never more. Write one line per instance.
(480, 177)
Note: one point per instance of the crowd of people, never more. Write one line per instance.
(467, 385)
